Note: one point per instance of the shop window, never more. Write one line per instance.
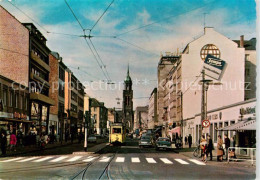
(215, 132)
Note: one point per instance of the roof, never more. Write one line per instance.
(128, 78)
(248, 44)
(96, 103)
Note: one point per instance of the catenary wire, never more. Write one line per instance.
(102, 15)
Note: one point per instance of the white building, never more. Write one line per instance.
(152, 110)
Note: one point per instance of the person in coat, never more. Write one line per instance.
(210, 147)
(13, 141)
(190, 140)
(3, 143)
(203, 146)
(227, 145)
(220, 149)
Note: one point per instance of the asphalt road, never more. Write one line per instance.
(119, 162)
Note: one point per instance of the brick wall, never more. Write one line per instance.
(54, 83)
(14, 48)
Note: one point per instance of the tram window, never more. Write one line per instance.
(116, 130)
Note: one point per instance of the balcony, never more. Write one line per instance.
(37, 78)
(42, 98)
(39, 61)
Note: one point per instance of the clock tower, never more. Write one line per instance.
(128, 115)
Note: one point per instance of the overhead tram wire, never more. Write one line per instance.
(102, 15)
(155, 22)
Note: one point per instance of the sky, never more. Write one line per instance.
(134, 32)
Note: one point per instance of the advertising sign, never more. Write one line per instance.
(214, 67)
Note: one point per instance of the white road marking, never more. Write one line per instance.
(104, 159)
(135, 160)
(197, 162)
(90, 158)
(15, 159)
(120, 159)
(59, 159)
(75, 158)
(150, 160)
(28, 159)
(181, 161)
(43, 159)
(166, 161)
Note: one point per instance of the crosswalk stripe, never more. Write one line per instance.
(59, 159)
(197, 162)
(135, 160)
(74, 158)
(90, 158)
(43, 159)
(181, 161)
(166, 161)
(120, 159)
(150, 160)
(28, 159)
(104, 159)
(15, 159)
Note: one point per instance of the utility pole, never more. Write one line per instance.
(202, 101)
(86, 131)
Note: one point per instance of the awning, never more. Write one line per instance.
(241, 125)
(175, 130)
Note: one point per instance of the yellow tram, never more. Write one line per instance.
(117, 133)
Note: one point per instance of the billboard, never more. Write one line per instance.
(214, 67)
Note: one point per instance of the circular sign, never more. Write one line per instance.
(205, 123)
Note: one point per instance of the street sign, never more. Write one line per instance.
(205, 123)
(214, 67)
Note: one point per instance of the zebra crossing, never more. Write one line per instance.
(150, 160)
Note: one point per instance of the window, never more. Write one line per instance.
(16, 100)
(116, 130)
(61, 90)
(247, 72)
(247, 57)
(61, 73)
(21, 102)
(5, 96)
(11, 98)
(26, 102)
(74, 108)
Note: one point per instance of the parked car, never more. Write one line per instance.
(164, 143)
(145, 141)
(92, 139)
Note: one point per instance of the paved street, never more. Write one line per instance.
(126, 162)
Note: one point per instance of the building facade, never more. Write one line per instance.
(152, 110)
(141, 118)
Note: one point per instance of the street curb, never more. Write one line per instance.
(83, 152)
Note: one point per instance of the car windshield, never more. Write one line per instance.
(145, 137)
(116, 130)
(164, 139)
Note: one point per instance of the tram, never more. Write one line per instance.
(117, 133)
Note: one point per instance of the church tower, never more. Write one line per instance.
(128, 115)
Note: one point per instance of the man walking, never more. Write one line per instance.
(210, 147)
(190, 140)
(3, 143)
(227, 145)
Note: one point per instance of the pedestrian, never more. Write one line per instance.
(220, 150)
(3, 143)
(190, 140)
(233, 145)
(66, 135)
(186, 140)
(227, 145)
(203, 147)
(46, 139)
(210, 147)
(13, 141)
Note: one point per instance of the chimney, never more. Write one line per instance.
(241, 41)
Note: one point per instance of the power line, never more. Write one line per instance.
(74, 14)
(191, 84)
(78, 68)
(155, 22)
(102, 15)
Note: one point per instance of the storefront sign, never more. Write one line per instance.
(214, 67)
(212, 117)
(248, 110)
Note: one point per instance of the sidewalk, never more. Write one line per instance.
(57, 146)
(93, 149)
(188, 152)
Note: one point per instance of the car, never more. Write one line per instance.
(164, 143)
(145, 141)
(92, 139)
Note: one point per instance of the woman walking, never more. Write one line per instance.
(203, 146)
(13, 141)
(220, 149)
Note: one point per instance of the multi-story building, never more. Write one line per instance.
(250, 66)
(39, 85)
(183, 86)
(74, 102)
(141, 118)
(152, 110)
(14, 89)
(99, 115)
